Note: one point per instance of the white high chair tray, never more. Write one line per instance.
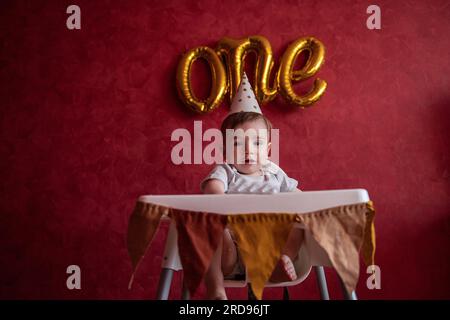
(289, 202)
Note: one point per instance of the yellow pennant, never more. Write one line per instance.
(260, 239)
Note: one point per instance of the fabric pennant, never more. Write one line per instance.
(261, 239)
(142, 226)
(340, 231)
(199, 234)
(368, 247)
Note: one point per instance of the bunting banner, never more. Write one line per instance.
(343, 232)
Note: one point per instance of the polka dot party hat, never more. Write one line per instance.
(244, 100)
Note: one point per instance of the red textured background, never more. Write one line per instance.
(86, 119)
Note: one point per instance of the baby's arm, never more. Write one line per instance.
(213, 186)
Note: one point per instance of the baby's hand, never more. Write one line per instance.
(213, 186)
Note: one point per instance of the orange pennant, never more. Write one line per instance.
(261, 239)
(144, 222)
(199, 234)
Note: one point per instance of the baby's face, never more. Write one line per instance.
(251, 147)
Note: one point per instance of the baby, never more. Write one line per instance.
(247, 170)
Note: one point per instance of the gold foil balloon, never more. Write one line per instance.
(233, 52)
(287, 74)
(218, 86)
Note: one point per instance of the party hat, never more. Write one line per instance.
(244, 100)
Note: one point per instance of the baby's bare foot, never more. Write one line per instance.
(284, 270)
(216, 295)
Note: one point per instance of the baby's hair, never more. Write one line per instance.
(238, 118)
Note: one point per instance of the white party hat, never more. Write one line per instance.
(244, 100)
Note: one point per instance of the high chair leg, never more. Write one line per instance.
(322, 282)
(165, 280)
(347, 296)
(185, 295)
(250, 294)
(285, 293)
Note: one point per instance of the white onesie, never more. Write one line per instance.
(272, 180)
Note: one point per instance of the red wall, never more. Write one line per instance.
(86, 119)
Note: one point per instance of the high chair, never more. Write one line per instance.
(311, 255)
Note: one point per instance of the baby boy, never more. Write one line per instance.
(247, 169)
